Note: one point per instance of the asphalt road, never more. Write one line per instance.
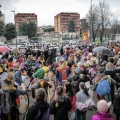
(89, 112)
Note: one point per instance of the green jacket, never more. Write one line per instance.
(39, 73)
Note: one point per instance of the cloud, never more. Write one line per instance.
(47, 9)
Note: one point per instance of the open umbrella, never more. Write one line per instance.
(103, 50)
(4, 49)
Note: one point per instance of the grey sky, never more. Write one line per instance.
(47, 9)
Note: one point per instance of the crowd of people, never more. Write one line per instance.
(84, 80)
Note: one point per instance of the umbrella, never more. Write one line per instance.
(4, 49)
(103, 50)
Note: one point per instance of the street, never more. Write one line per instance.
(89, 112)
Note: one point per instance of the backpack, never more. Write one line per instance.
(43, 116)
(103, 87)
(36, 117)
(6, 103)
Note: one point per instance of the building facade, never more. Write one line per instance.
(61, 21)
(25, 17)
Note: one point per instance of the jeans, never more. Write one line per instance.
(80, 115)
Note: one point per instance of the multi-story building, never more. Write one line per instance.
(25, 17)
(2, 17)
(61, 21)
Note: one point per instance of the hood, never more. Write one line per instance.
(43, 107)
(104, 116)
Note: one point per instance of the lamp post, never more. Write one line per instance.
(0, 11)
(117, 23)
(15, 26)
(91, 23)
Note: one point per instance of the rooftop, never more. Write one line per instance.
(62, 13)
(25, 14)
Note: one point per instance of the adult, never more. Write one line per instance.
(71, 94)
(117, 105)
(60, 105)
(75, 79)
(10, 63)
(117, 72)
(82, 96)
(62, 71)
(40, 109)
(110, 70)
(8, 97)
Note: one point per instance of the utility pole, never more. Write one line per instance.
(117, 23)
(0, 11)
(15, 27)
(91, 23)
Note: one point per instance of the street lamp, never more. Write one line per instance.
(15, 26)
(117, 23)
(91, 22)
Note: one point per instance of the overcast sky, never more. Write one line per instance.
(47, 9)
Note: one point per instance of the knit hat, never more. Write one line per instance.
(77, 71)
(7, 81)
(103, 106)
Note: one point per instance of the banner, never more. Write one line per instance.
(85, 37)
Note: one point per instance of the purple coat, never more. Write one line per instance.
(102, 116)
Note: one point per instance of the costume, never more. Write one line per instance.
(62, 71)
(46, 70)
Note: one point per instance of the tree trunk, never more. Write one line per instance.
(93, 38)
(101, 39)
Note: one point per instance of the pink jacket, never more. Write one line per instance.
(102, 116)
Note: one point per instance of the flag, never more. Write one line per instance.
(85, 37)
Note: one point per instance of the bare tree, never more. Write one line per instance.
(104, 15)
(95, 21)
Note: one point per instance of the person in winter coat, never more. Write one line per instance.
(82, 96)
(101, 76)
(103, 111)
(117, 71)
(71, 94)
(40, 110)
(117, 105)
(109, 70)
(74, 79)
(60, 105)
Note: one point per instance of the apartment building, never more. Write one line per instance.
(61, 21)
(25, 17)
